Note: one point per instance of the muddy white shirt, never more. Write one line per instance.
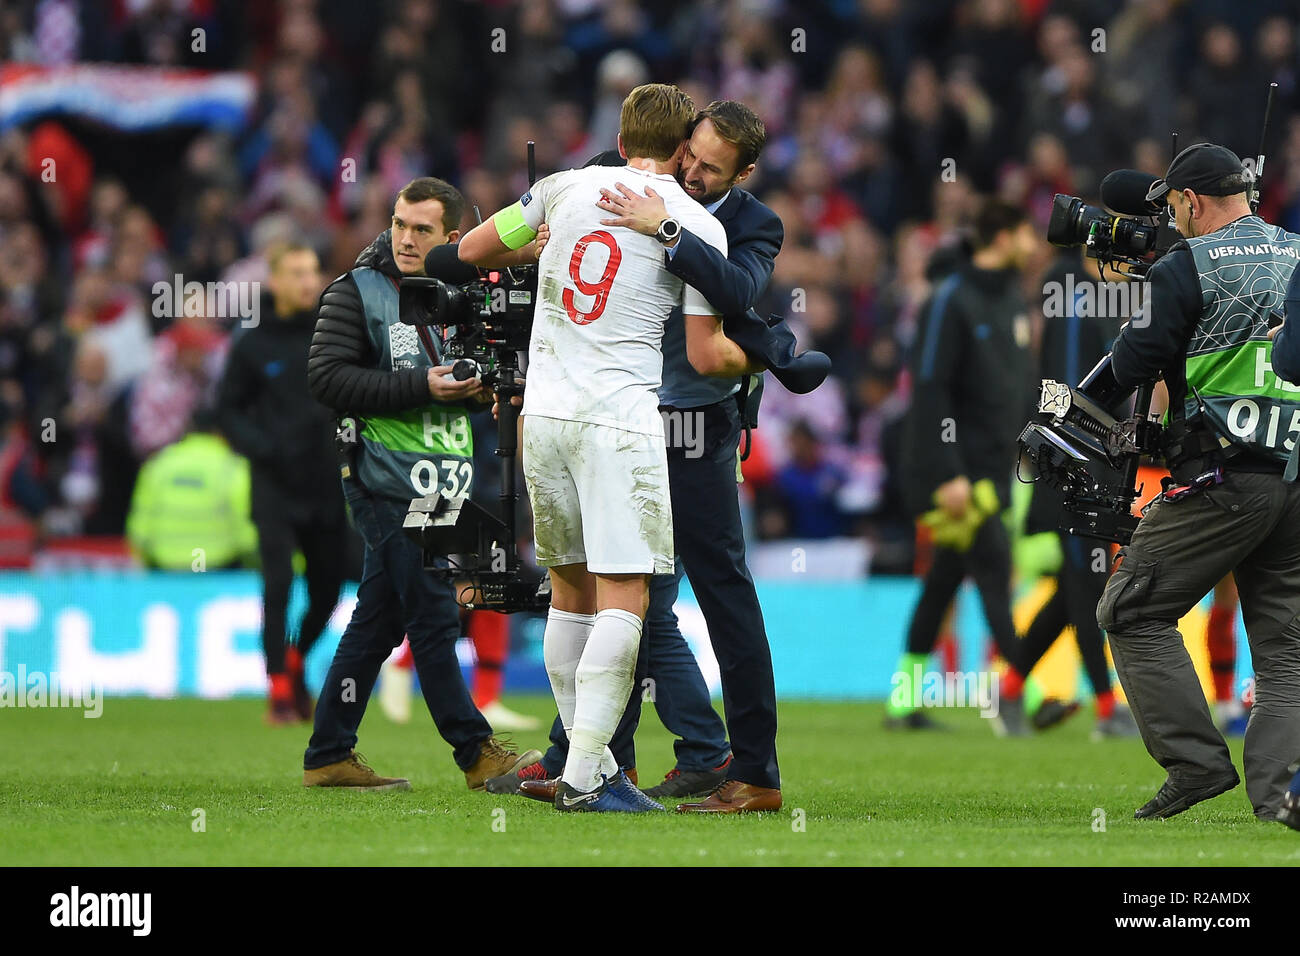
(603, 298)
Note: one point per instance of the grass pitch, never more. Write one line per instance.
(124, 790)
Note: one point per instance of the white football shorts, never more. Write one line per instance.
(599, 497)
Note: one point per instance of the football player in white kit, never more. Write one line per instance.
(593, 445)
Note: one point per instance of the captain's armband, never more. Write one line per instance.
(511, 227)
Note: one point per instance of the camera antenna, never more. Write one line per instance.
(532, 178)
(1259, 159)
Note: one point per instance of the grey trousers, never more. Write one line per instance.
(1250, 524)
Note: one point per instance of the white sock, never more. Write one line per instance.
(604, 681)
(565, 636)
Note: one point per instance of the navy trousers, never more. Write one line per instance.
(397, 597)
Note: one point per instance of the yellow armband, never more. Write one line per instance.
(512, 229)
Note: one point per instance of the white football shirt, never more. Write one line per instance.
(603, 296)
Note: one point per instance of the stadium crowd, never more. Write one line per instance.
(886, 120)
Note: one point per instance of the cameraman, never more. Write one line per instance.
(1231, 425)
(411, 435)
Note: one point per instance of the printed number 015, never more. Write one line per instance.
(600, 290)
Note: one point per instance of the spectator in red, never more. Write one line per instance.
(187, 362)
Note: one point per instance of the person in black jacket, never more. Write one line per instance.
(407, 420)
(269, 417)
(970, 393)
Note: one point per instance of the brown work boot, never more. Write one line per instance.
(352, 774)
(496, 759)
(736, 797)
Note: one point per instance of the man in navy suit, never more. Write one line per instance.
(710, 544)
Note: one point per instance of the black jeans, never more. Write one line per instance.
(397, 596)
(324, 547)
(989, 562)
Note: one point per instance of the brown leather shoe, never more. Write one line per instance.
(496, 759)
(736, 797)
(543, 790)
(352, 774)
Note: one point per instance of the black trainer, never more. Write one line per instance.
(1173, 798)
(1053, 711)
(913, 720)
(509, 782)
(690, 783)
(1290, 811)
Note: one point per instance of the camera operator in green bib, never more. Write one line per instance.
(1231, 425)
(407, 434)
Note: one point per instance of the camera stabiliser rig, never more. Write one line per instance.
(1089, 455)
(482, 325)
(1081, 444)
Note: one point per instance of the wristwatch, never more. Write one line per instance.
(668, 230)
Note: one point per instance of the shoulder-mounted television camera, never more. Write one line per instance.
(477, 322)
(1078, 443)
(1136, 238)
(482, 326)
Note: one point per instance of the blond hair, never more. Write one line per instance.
(656, 118)
(276, 251)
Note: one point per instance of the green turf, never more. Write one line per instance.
(122, 790)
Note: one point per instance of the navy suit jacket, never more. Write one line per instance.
(734, 282)
(1286, 343)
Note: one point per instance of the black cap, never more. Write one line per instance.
(1200, 168)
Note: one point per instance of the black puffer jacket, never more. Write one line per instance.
(341, 368)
